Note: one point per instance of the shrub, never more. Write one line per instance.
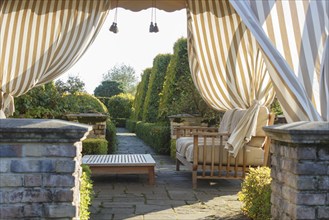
(111, 136)
(173, 148)
(155, 135)
(40, 102)
(83, 103)
(108, 89)
(120, 122)
(94, 146)
(120, 106)
(86, 193)
(256, 193)
(131, 125)
(151, 104)
(140, 94)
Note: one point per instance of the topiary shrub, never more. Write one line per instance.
(111, 136)
(94, 146)
(155, 135)
(131, 125)
(152, 98)
(86, 193)
(141, 94)
(83, 103)
(256, 193)
(120, 106)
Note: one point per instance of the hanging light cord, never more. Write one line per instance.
(116, 12)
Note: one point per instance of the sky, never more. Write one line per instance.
(133, 45)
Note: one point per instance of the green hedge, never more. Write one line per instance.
(86, 193)
(173, 148)
(131, 125)
(111, 136)
(120, 122)
(256, 193)
(155, 135)
(157, 77)
(141, 94)
(94, 146)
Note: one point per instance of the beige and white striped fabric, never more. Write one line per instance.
(226, 64)
(294, 38)
(41, 39)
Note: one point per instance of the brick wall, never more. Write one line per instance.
(40, 167)
(300, 170)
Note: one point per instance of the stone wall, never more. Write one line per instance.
(96, 120)
(300, 170)
(40, 167)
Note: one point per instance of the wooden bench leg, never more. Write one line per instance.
(151, 175)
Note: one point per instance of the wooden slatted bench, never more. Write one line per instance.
(121, 164)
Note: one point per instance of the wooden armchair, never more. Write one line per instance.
(207, 158)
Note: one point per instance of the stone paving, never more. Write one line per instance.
(172, 196)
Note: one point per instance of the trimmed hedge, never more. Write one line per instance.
(256, 193)
(152, 99)
(141, 94)
(111, 136)
(94, 146)
(86, 193)
(155, 135)
(120, 106)
(120, 122)
(173, 148)
(131, 125)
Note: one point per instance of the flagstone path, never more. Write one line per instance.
(172, 196)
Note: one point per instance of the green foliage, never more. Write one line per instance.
(276, 107)
(108, 89)
(123, 74)
(173, 148)
(155, 135)
(111, 136)
(94, 146)
(151, 105)
(120, 106)
(140, 95)
(131, 125)
(86, 193)
(120, 122)
(47, 102)
(40, 102)
(256, 193)
(73, 85)
(83, 103)
(179, 94)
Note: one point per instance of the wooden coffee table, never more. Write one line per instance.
(121, 164)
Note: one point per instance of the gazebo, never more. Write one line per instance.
(241, 53)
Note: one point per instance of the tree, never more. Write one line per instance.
(108, 89)
(73, 85)
(124, 74)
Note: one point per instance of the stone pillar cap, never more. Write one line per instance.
(41, 130)
(300, 132)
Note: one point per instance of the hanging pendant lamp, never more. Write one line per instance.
(114, 27)
(153, 27)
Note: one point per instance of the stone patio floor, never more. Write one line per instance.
(172, 196)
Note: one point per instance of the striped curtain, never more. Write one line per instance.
(41, 39)
(226, 64)
(294, 38)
